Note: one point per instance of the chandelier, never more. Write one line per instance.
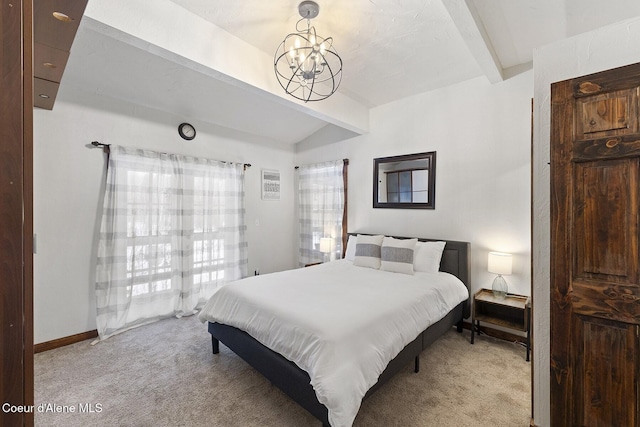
(306, 65)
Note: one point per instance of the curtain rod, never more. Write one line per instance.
(106, 149)
(344, 162)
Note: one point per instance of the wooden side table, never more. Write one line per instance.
(513, 312)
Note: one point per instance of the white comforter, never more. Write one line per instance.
(340, 323)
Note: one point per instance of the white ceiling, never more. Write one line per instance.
(390, 49)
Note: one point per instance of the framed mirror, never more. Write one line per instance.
(405, 182)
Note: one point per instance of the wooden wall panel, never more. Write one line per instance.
(57, 33)
(45, 93)
(51, 62)
(16, 210)
(53, 38)
(27, 208)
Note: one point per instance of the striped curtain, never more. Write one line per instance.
(173, 230)
(321, 204)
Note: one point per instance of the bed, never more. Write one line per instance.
(298, 363)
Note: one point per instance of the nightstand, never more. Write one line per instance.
(513, 312)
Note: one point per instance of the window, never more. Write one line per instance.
(322, 207)
(149, 248)
(172, 231)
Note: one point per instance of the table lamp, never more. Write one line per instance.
(325, 246)
(499, 263)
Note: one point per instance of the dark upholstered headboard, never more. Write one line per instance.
(455, 260)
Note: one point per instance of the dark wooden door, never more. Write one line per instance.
(595, 274)
(16, 177)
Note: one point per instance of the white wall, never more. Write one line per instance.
(482, 137)
(69, 184)
(603, 49)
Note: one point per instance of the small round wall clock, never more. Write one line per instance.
(187, 131)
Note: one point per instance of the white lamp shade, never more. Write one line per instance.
(325, 245)
(499, 263)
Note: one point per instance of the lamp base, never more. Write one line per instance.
(499, 287)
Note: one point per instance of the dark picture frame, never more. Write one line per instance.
(405, 182)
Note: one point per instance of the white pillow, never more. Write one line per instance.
(350, 253)
(397, 255)
(368, 250)
(427, 256)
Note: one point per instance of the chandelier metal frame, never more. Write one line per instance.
(306, 64)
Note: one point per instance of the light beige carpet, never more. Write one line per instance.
(164, 374)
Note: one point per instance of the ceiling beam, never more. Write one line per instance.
(467, 19)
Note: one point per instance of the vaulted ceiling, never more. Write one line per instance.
(212, 60)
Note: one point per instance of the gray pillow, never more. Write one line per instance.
(397, 255)
(368, 250)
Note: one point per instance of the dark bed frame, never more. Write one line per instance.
(295, 382)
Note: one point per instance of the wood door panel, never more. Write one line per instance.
(595, 261)
(606, 301)
(602, 348)
(626, 77)
(560, 316)
(605, 221)
(607, 148)
(608, 114)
